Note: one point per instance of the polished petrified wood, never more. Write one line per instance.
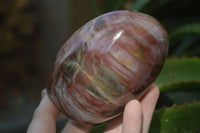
(106, 63)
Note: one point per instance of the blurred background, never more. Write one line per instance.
(31, 33)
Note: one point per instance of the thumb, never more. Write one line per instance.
(44, 117)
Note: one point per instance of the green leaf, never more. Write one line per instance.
(186, 43)
(179, 94)
(182, 86)
(175, 71)
(189, 29)
(181, 97)
(177, 119)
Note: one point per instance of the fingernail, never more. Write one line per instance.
(44, 93)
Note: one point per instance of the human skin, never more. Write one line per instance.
(136, 117)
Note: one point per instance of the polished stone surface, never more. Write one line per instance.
(106, 63)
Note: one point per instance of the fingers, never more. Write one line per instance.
(148, 103)
(115, 125)
(132, 118)
(137, 115)
(45, 116)
(136, 118)
(73, 127)
(131, 122)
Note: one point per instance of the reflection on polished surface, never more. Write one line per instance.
(106, 63)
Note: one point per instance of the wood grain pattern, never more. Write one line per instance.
(107, 62)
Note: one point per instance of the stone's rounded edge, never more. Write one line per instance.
(72, 45)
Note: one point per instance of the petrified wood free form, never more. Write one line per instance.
(106, 63)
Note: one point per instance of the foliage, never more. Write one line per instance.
(179, 71)
(177, 119)
(179, 80)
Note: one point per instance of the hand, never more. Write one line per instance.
(136, 117)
